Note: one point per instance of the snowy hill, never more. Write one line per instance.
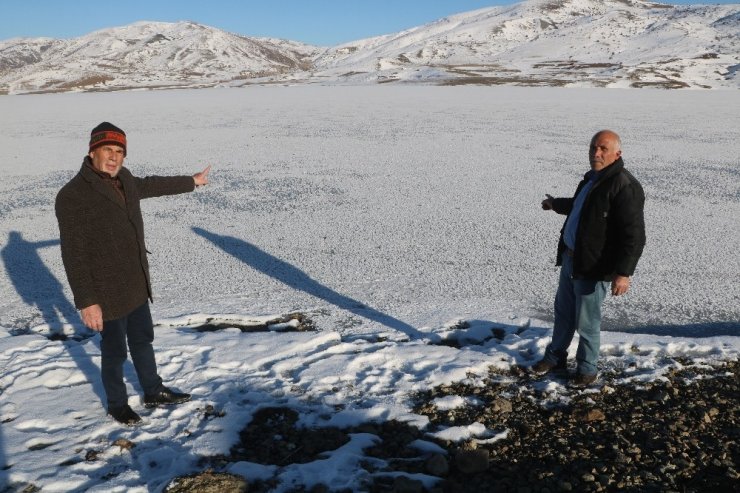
(144, 54)
(557, 42)
(604, 43)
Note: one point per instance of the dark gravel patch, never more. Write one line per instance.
(674, 434)
(678, 433)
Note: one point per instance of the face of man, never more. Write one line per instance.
(108, 159)
(604, 150)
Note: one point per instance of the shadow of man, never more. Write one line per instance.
(299, 280)
(37, 286)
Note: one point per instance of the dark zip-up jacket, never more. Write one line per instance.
(611, 231)
(102, 237)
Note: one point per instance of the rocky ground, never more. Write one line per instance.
(678, 433)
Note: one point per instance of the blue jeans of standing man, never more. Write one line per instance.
(577, 308)
(137, 329)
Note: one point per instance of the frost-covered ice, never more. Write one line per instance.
(392, 217)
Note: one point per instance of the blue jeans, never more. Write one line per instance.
(138, 330)
(577, 308)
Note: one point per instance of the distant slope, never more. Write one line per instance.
(626, 43)
(602, 43)
(145, 54)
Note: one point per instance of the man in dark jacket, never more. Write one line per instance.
(600, 243)
(104, 254)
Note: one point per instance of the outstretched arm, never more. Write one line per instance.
(559, 205)
(201, 178)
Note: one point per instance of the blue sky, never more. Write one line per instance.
(319, 22)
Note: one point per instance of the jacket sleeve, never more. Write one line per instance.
(562, 205)
(157, 186)
(629, 206)
(75, 248)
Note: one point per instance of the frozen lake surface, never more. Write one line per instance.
(419, 202)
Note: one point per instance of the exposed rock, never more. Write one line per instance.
(437, 465)
(472, 461)
(502, 405)
(124, 444)
(208, 482)
(591, 415)
(92, 455)
(403, 484)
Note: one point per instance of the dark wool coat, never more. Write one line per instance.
(102, 238)
(611, 232)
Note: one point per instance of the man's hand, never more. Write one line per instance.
(92, 317)
(201, 178)
(620, 285)
(547, 203)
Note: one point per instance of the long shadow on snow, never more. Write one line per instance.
(297, 279)
(152, 458)
(34, 282)
(38, 287)
(697, 330)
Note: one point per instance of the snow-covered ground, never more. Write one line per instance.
(386, 215)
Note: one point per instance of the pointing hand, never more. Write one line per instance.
(202, 177)
(547, 203)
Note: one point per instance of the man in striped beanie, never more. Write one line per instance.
(105, 258)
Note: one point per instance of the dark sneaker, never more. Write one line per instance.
(124, 415)
(165, 397)
(583, 379)
(545, 366)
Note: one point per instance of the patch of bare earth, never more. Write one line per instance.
(678, 433)
(514, 80)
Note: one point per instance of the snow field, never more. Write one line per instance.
(394, 217)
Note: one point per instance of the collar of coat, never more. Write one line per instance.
(610, 170)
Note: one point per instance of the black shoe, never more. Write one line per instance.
(165, 397)
(124, 415)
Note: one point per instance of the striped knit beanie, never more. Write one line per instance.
(107, 133)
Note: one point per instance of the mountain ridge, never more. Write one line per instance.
(145, 54)
(604, 43)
